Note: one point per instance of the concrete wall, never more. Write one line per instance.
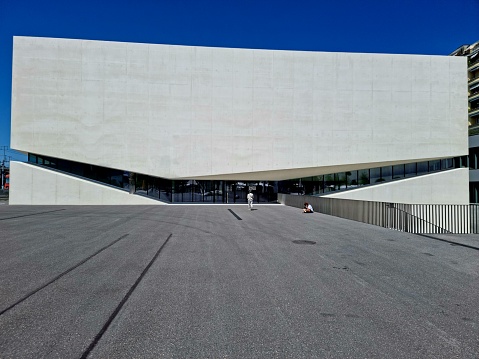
(447, 187)
(35, 185)
(220, 113)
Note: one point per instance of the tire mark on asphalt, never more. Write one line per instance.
(234, 214)
(61, 275)
(32, 214)
(123, 301)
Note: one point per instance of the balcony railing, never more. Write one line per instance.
(474, 130)
(473, 81)
(473, 66)
(474, 112)
(474, 97)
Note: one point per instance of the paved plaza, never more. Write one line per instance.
(219, 281)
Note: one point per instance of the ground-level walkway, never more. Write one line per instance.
(224, 282)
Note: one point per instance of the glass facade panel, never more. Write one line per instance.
(434, 165)
(309, 185)
(474, 192)
(153, 188)
(398, 171)
(141, 184)
(193, 191)
(329, 183)
(341, 180)
(351, 179)
(319, 188)
(178, 191)
(422, 167)
(411, 169)
(375, 175)
(363, 177)
(241, 190)
(473, 158)
(208, 191)
(386, 173)
(165, 190)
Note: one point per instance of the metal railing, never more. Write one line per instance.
(474, 112)
(411, 218)
(474, 130)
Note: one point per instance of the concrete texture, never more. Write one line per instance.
(35, 185)
(223, 287)
(221, 113)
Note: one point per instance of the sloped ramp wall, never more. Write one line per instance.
(32, 185)
(446, 187)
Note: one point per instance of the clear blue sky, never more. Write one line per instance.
(435, 27)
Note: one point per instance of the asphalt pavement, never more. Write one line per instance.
(219, 281)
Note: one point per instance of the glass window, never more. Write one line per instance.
(103, 175)
(375, 175)
(422, 167)
(208, 191)
(386, 173)
(434, 165)
(116, 179)
(473, 155)
(460, 161)
(219, 192)
(141, 184)
(329, 183)
(64, 165)
(447, 163)
(125, 180)
(363, 177)
(181, 191)
(153, 190)
(411, 169)
(352, 179)
(229, 194)
(165, 189)
(398, 171)
(240, 190)
(268, 192)
(341, 180)
(319, 184)
(309, 184)
(77, 168)
(474, 192)
(295, 186)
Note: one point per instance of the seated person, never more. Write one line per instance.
(307, 208)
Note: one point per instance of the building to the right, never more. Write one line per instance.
(472, 54)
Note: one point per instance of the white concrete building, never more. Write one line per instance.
(181, 115)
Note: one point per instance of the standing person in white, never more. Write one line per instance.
(250, 200)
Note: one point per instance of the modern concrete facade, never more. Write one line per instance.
(181, 112)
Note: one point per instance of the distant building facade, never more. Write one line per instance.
(471, 52)
(126, 123)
